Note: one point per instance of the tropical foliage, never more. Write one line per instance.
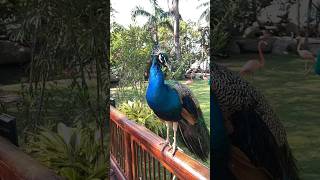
(143, 115)
(157, 18)
(222, 18)
(74, 153)
(130, 52)
(67, 78)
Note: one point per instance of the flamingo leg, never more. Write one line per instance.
(309, 69)
(305, 66)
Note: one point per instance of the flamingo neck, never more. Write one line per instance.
(261, 57)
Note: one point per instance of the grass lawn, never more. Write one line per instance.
(296, 99)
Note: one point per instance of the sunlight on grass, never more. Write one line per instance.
(296, 99)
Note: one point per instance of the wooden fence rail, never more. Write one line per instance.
(16, 165)
(136, 154)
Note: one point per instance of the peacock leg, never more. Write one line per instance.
(174, 144)
(167, 142)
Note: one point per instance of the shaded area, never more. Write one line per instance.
(296, 99)
(12, 73)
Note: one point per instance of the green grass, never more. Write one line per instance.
(296, 99)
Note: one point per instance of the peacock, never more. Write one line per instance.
(175, 104)
(249, 141)
(317, 65)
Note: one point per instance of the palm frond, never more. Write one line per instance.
(152, 21)
(165, 15)
(154, 3)
(204, 4)
(139, 11)
(205, 15)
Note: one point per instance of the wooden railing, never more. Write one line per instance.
(136, 154)
(16, 165)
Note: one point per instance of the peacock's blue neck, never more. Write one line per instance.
(219, 140)
(156, 78)
(219, 131)
(160, 97)
(156, 90)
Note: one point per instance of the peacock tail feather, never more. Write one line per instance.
(192, 127)
(256, 130)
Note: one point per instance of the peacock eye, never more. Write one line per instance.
(160, 58)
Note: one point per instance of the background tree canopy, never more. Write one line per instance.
(67, 78)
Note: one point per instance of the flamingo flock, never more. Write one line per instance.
(251, 66)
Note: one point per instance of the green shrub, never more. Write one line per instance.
(140, 113)
(73, 153)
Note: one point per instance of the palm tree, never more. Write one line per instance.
(155, 19)
(176, 14)
(298, 10)
(205, 30)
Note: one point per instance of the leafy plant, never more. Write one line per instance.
(140, 113)
(221, 20)
(65, 37)
(130, 52)
(73, 153)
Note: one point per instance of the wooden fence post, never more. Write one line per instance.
(128, 158)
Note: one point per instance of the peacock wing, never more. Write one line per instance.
(193, 129)
(190, 105)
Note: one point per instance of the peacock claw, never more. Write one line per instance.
(173, 150)
(165, 144)
(180, 149)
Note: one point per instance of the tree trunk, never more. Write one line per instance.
(298, 16)
(308, 22)
(175, 8)
(254, 11)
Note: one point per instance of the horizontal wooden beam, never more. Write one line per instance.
(16, 165)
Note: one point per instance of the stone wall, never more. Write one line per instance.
(276, 45)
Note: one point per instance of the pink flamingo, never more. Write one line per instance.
(253, 65)
(306, 55)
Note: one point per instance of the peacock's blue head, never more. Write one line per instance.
(161, 59)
